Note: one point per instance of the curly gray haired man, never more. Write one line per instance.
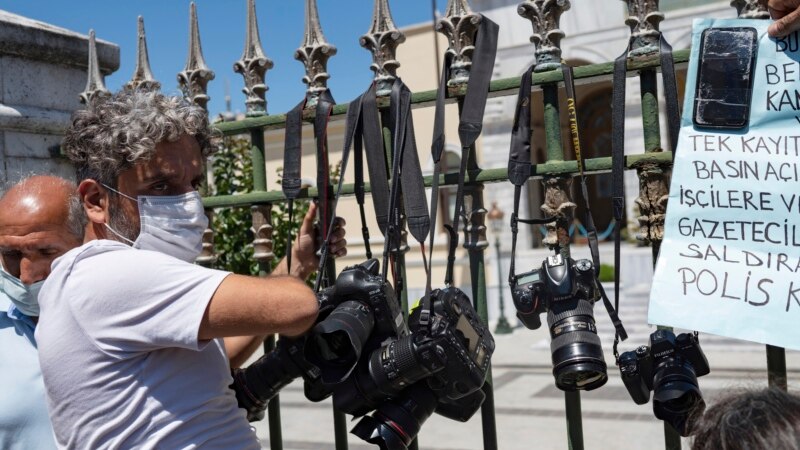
(131, 332)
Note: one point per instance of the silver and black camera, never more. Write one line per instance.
(567, 290)
(669, 367)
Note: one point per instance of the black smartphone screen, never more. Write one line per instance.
(725, 77)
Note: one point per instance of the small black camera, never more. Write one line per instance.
(567, 290)
(669, 367)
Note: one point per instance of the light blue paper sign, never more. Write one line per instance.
(730, 260)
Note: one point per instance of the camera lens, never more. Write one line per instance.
(578, 362)
(391, 369)
(396, 423)
(676, 395)
(262, 380)
(335, 343)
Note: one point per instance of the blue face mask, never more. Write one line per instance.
(24, 297)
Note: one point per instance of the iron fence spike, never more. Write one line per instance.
(460, 25)
(142, 76)
(643, 19)
(253, 65)
(545, 17)
(382, 41)
(314, 53)
(750, 9)
(95, 86)
(194, 78)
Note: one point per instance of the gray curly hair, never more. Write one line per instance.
(119, 131)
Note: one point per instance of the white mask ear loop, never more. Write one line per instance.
(130, 242)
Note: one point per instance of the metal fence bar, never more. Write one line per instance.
(643, 20)
(497, 88)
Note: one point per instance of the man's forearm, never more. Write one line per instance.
(300, 269)
(241, 348)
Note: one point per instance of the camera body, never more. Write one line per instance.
(557, 279)
(669, 367)
(467, 343)
(566, 289)
(367, 313)
(446, 361)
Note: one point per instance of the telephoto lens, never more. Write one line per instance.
(578, 362)
(397, 422)
(261, 381)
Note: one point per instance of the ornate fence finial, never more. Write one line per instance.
(95, 87)
(253, 65)
(142, 76)
(459, 24)
(262, 233)
(750, 9)
(382, 40)
(314, 53)
(207, 256)
(196, 75)
(643, 18)
(545, 17)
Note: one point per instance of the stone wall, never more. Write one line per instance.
(42, 71)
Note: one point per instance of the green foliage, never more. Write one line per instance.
(606, 273)
(233, 236)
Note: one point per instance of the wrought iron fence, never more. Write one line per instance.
(652, 165)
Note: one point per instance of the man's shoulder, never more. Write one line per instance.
(111, 255)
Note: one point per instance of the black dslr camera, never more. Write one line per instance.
(669, 368)
(440, 367)
(367, 313)
(567, 290)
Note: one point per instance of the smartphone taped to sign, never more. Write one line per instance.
(725, 77)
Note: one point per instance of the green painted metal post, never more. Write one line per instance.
(555, 152)
(260, 184)
(652, 144)
(776, 367)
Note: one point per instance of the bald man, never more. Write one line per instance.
(40, 220)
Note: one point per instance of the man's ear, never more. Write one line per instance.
(95, 200)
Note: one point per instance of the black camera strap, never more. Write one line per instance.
(469, 129)
(352, 132)
(292, 156)
(591, 231)
(618, 141)
(406, 177)
(519, 163)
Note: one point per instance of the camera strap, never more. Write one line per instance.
(519, 163)
(591, 231)
(352, 132)
(406, 177)
(292, 156)
(469, 129)
(618, 141)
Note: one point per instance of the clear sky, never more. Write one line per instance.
(222, 31)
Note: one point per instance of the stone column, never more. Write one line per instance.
(42, 72)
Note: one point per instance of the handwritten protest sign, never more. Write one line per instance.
(730, 260)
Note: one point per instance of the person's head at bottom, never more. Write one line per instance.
(41, 218)
(753, 419)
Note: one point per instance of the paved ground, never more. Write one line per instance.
(530, 410)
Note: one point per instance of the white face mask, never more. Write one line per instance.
(170, 224)
(24, 297)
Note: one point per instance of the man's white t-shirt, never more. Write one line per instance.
(120, 355)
